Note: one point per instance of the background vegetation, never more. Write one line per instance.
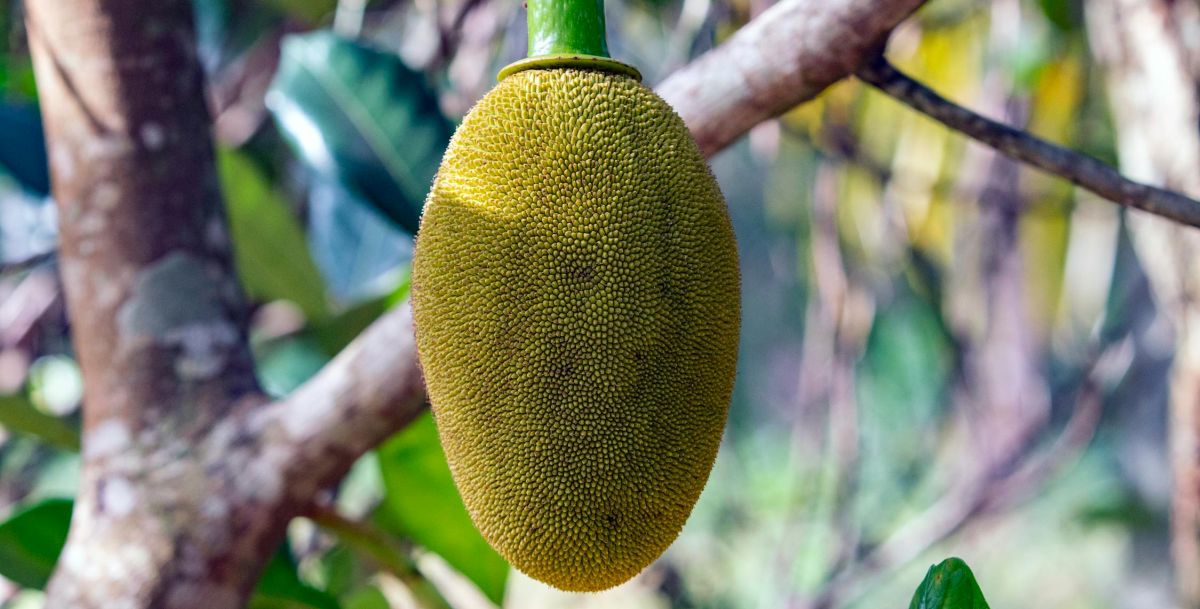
(943, 353)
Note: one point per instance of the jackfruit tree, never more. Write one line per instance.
(574, 318)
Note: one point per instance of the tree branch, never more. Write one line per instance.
(781, 59)
(1079, 169)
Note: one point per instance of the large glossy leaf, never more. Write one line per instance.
(31, 540)
(23, 147)
(361, 253)
(949, 585)
(268, 243)
(422, 504)
(19, 414)
(362, 116)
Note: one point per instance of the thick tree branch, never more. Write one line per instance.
(1079, 169)
(784, 57)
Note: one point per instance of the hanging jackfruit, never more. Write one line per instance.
(576, 302)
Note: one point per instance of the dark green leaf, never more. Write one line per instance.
(422, 504)
(272, 254)
(949, 585)
(23, 148)
(1066, 15)
(362, 116)
(31, 541)
(19, 414)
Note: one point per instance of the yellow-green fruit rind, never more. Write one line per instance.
(576, 300)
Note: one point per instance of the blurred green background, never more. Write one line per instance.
(942, 354)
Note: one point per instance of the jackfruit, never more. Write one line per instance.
(576, 300)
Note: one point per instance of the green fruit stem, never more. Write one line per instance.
(568, 34)
(567, 27)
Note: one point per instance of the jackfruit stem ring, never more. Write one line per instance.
(576, 61)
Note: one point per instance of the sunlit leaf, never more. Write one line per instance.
(422, 504)
(270, 248)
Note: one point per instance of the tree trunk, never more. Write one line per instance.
(157, 314)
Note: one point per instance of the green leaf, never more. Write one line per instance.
(361, 252)
(270, 248)
(367, 598)
(18, 414)
(360, 115)
(949, 585)
(23, 149)
(31, 541)
(422, 504)
(281, 588)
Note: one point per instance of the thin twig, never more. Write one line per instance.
(1080, 169)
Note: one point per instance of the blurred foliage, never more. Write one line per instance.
(906, 376)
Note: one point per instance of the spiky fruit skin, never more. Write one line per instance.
(576, 302)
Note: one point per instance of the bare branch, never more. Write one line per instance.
(1079, 169)
(783, 58)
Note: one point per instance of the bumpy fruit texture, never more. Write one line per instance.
(576, 299)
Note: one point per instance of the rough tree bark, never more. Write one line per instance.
(190, 473)
(1152, 89)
